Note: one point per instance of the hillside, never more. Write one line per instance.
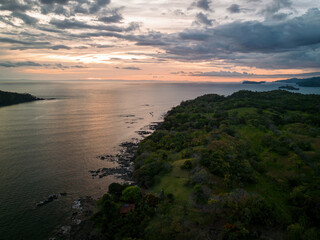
(244, 166)
(10, 98)
(303, 82)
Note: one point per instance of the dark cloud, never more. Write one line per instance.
(34, 64)
(101, 45)
(203, 19)
(292, 43)
(133, 26)
(275, 7)
(99, 34)
(48, 28)
(7, 20)
(279, 16)
(60, 66)
(54, 1)
(75, 24)
(31, 44)
(9, 40)
(57, 47)
(15, 5)
(115, 17)
(151, 39)
(71, 8)
(25, 18)
(300, 58)
(19, 64)
(179, 73)
(60, 10)
(54, 47)
(129, 68)
(234, 8)
(202, 4)
(249, 75)
(97, 5)
(254, 36)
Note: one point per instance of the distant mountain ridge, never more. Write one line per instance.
(10, 98)
(303, 82)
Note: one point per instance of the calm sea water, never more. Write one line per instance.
(49, 146)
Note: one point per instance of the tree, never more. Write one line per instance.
(132, 194)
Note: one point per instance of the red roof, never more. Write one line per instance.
(126, 208)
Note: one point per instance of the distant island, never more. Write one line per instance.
(303, 82)
(252, 82)
(10, 98)
(288, 87)
(245, 166)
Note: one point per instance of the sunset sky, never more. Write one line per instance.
(201, 40)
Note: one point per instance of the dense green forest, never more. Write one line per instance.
(245, 166)
(9, 98)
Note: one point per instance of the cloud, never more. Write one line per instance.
(234, 8)
(293, 43)
(178, 12)
(19, 64)
(15, 5)
(275, 7)
(9, 64)
(151, 39)
(202, 4)
(229, 74)
(60, 66)
(25, 18)
(97, 5)
(54, 47)
(30, 44)
(254, 36)
(279, 16)
(101, 45)
(9, 40)
(130, 68)
(54, 1)
(288, 44)
(115, 17)
(203, 19)
(75, 24)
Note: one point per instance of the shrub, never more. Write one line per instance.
(233, 232)
(132, 194)
(115, 189)
(200, 177)
(199, 195)
(295, 231)
(187, 165)
(311, 234)
(170, 197)
(151, 199)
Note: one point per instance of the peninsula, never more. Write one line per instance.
(10, 98)
(245, 166)
(303, 82)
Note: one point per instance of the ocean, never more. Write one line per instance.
(48, 147)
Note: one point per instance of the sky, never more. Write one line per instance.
(190, 40)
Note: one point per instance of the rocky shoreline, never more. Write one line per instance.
(78, 225)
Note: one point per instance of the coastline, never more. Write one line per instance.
(78, 224)
(12, 98)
